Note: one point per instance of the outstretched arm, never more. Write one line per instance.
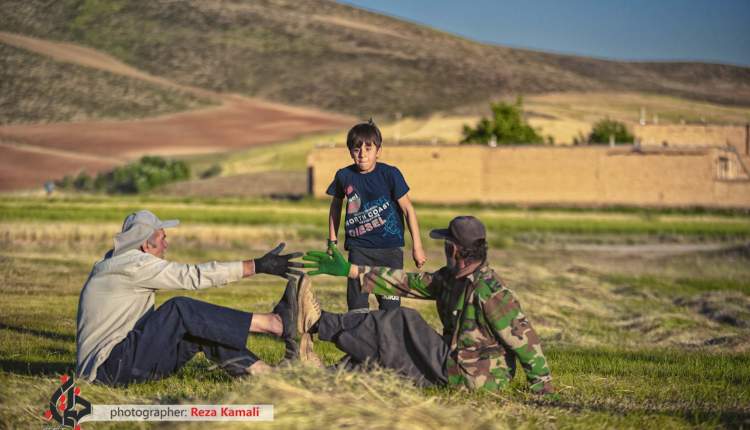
(377, 280)
(385, 281)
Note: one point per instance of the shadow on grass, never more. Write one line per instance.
(38, 368)
(41, 333)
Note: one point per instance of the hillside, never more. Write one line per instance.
(339, 58)
(37, 89)
(45, 81)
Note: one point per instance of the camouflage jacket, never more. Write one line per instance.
(482, 323)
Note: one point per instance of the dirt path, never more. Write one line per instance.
(238, 122)
(87, 57)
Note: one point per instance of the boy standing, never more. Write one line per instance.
(377, 201)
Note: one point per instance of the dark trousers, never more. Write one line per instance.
(165, 339)
(387, 257)
(397, 339)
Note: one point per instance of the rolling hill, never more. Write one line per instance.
(335, 57)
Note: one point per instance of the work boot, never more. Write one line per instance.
(308, 307)
(307, 353)
(287, 309)
(308, 314)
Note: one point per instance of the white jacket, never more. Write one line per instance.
(120, 290)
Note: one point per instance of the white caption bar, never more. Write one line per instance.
(180, 413)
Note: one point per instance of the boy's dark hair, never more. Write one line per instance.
(362, 133)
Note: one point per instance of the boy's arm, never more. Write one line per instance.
(411, 221)
(334, 218)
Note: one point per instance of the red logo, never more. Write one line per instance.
(66, 406)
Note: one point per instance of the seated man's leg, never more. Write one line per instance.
(398, 339)
(171, 335)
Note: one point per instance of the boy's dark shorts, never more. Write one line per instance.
(386, 257)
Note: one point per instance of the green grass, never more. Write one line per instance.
(687, 285)
(313, 215)
(625, 352)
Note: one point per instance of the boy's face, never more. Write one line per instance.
(365, 156)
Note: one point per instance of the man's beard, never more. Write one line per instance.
(450, 260)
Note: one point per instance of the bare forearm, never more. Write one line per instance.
(334, 218)
(411, 220)
(413, 225)
(248, 268)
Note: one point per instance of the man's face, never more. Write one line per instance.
(365, 156)
(157, 244)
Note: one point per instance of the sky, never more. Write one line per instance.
(715, 31)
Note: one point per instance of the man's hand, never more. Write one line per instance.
(334, 264)
(274, 264)
(546, 391)
(417, 253)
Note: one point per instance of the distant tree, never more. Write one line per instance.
(83, 182)
(602, 130)
(140, 176)
(214, 170)
(506, 127)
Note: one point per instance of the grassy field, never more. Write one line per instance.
(645, 317)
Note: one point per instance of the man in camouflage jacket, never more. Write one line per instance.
(484, 329)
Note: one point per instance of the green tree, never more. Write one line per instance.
(83, 182)
(506, 127)
(140, 176)
(602, 130)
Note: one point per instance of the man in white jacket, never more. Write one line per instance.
(122, 339)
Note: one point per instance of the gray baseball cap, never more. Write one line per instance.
(463, 230)
(137, 228)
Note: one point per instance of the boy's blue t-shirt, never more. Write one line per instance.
(373, 217)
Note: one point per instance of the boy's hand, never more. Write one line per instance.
(324, 264)
(419, 257)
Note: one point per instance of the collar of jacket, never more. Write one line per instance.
(479, 272)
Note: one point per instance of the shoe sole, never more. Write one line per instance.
(307, 354)
(303, 314)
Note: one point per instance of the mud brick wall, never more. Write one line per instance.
(593, 175)
(692, 135)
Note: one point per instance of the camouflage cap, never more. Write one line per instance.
(464, 230)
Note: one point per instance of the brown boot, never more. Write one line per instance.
(308, 313)
(306, 353)
(308, 307)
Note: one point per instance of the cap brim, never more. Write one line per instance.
(169, 223)
(440, 233)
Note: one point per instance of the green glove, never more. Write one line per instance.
(324, 264)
